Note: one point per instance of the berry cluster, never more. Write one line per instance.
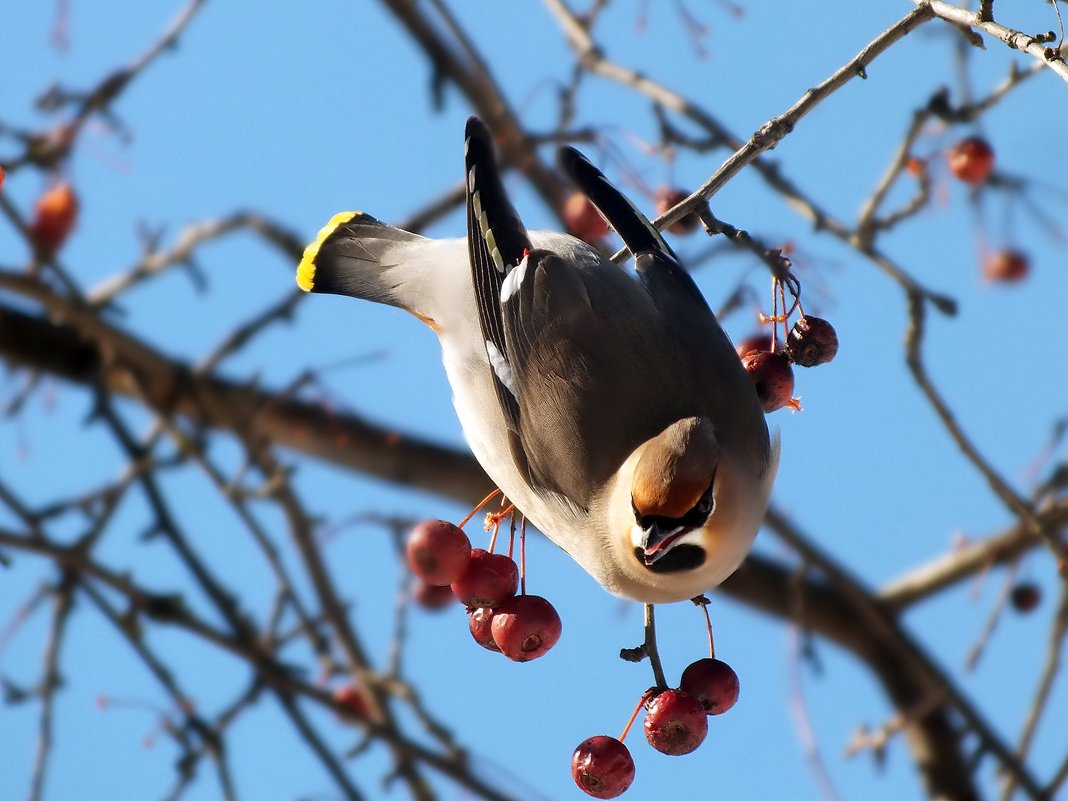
(522, 627)
(676, 723)
(811, 341)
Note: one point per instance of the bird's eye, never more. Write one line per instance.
(703, 508)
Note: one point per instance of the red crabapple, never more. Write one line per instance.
(525, 627)
(773, 378)
(602, 767)
(713, 683)
(489, 579)
(812, 341)
(582, 218)
(675, 722)
(432, 596)
(481, 624)
(971, 160)
(1006, 266)
(669, 198)
(54, 216)
(438, 552)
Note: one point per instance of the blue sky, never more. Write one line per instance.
(298, 112)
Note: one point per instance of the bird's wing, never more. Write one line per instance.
(496, 242)
(709, 369)
(590, 368)
(561, 342)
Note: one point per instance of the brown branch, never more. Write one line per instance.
(345, 439)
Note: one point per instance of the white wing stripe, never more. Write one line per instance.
(514, 280)
(501, 368)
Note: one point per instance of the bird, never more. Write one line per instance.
(607, 403)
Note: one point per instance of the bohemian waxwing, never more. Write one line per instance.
(608, 405)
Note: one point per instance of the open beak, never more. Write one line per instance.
(657, 540)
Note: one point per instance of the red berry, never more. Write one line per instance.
(602, 767)
(432, 596)
(352, 698)
(753, 342)
(971, 160)
(1006, 266)
(669, 198)
(713, 683)
(481, 625)
(526, 627)
(1025, 597)
(675, 722)
(773, 378)
(812, 341)
(489, 579)
(582, 218)
(54, 216)
(438, 552)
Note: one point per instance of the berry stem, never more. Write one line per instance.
(481, 503)
(785, 313)
(523, 557)
(511, 535)
(708, 622)
(494, 520)
(641, 702)
(774, 316)
(650, 647)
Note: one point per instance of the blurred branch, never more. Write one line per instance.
(48, 149)
(968, 560)
(50, 683)
(454, 58)
(1045, 685)
(156, 261)
(1015, 504)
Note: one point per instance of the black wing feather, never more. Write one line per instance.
(655, 261)
(496, 242)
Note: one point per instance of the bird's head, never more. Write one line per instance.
(684, 510)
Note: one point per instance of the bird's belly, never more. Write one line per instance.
(480, 415)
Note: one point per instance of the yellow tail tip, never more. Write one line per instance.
(306, 268)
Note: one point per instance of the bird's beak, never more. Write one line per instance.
(657, 540)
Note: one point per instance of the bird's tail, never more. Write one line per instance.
(357, 255)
